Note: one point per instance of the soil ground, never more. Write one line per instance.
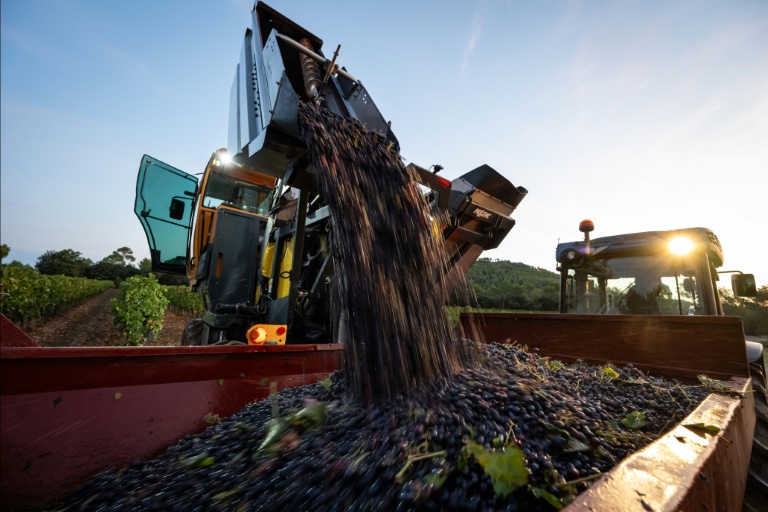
(90, 324)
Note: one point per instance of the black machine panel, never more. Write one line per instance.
(238, 238)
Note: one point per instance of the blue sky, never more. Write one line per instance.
(638, 115)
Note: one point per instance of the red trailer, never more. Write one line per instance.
(68, 413)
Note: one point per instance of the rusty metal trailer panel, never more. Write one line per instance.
(69, 413)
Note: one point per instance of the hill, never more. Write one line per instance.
(507, 285)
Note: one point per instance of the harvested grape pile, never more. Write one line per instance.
(518, 433)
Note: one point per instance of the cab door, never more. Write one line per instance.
(164, 202)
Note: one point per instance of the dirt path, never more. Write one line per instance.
(90, 324)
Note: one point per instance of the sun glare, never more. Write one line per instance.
(680, 245)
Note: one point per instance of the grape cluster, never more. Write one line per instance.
(409, 452)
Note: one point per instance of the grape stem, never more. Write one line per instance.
(415, 458)
(580, 480)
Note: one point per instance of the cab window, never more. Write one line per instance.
(228, 191)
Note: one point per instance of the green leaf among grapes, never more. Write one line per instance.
(310, 416)
(273, 430)
(556, 365)
(206, 462)
(717, 386)
(610, 372)
(435, 479)
(634, 419)
(201, 460)
(549, 497)
(506, 468)
(574, 446)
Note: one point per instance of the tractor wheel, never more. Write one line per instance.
(192, 335)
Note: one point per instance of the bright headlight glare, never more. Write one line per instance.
(680, 245)
(224, 158)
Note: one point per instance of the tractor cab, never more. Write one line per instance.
(650, 273)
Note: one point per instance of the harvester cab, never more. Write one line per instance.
(253, 234)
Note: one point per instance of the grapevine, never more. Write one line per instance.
(139, 309)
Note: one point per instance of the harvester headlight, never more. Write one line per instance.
(223, 158)
(680, 245)
(571, 255)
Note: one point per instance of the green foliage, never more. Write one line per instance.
(4, 251)
(181, 300)
(18, 264)
(506, 468)
(752, 311)
(172, 279)
(122, 257)
(308, 418)
(145, 267)
(716, 386)
(274, 429)
(117, 267)
(28, 295)
(65, 263)
(549, 497)
(140, 308)
(517, 286)
(635, 419)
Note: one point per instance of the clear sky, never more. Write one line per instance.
(640, 115)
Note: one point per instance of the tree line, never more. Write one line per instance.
(499, 284)
(115, 267)
(752, 311)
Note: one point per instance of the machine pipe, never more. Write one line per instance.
(309, 53)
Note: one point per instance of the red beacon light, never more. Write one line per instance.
(586, 226)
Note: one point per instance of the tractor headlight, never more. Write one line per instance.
(571, 257)
(680, 245)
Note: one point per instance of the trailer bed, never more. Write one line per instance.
(69, 413)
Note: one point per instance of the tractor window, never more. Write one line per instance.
(635, 285)
(225, 190)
